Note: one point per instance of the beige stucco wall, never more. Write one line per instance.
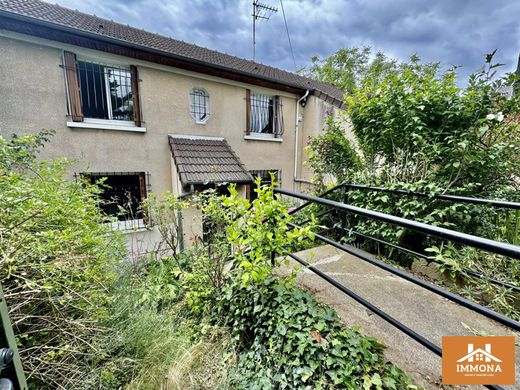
(32, 97)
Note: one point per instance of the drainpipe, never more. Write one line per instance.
(297, 130)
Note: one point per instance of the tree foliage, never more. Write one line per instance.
(417, 129)
(351, 68)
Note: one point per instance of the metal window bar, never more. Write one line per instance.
(266, 115)
(199, 104)
(265, 179)
(128, 196)
(106, 91)
(265, 175)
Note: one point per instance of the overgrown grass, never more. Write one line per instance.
(155, 342)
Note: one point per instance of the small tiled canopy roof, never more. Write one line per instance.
(203, 160)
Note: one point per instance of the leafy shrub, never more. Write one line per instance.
(56, 264)
(285, 339)
(418, 130)
(332, 153)
(288, 340)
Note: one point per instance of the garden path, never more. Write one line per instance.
(430, 315)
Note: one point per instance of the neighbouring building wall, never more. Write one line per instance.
(314, 117)
(32, 92)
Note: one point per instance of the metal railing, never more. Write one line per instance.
(11, 371)
(488, 245)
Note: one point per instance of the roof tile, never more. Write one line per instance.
(201, 160)
(55, 14)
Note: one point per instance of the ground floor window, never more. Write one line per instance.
(265, 178)
(122, 195)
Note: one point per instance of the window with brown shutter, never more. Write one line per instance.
(72, 84)
(264, 115)
(102, 91)
(135, 95)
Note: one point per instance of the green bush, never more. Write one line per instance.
(418, 130)
(288, 340)
(283, 337)
(56, 264)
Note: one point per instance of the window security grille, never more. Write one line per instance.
(106, 91)
(122, 195)
(199, 105)
(265, 179)
(266, 115)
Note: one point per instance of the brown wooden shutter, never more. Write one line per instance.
(143, 194)
(135, 95)
(248, 111)
(73, 91)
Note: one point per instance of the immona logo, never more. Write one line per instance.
(478, 360)
(485, 361)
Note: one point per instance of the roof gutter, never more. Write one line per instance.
(88, 34)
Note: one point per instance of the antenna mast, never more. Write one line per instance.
(260, 12)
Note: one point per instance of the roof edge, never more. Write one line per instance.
(88, 34)
(296, 88)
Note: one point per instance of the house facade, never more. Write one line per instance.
(150, 113)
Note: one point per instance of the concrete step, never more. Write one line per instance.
(429, 314)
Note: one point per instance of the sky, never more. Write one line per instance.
(454, 32)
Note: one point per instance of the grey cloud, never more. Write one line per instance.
(453, 32)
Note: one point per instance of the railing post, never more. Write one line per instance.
(11, 371)
(344, 220)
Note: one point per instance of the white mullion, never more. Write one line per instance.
(107, 90)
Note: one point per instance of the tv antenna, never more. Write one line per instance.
(260, 12)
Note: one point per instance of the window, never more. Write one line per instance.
(106, 92)
(264, 115)
(265, 178)
(98, 91)
(199, 105)
(122, 195)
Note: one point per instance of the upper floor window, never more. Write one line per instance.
(199, 105)
(102, 92)
(264, 115)
(106, 91)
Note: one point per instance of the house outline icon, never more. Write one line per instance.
(479, 355)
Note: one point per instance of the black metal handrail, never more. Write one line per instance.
(452, 198)
(411, 278)
(505, 249)
(486, 244)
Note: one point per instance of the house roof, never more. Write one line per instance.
(58, 17)
(202, 160)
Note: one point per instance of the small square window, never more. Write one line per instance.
(122, 195)
(199, 105)
(265, 179)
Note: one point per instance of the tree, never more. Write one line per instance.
(351, 68)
